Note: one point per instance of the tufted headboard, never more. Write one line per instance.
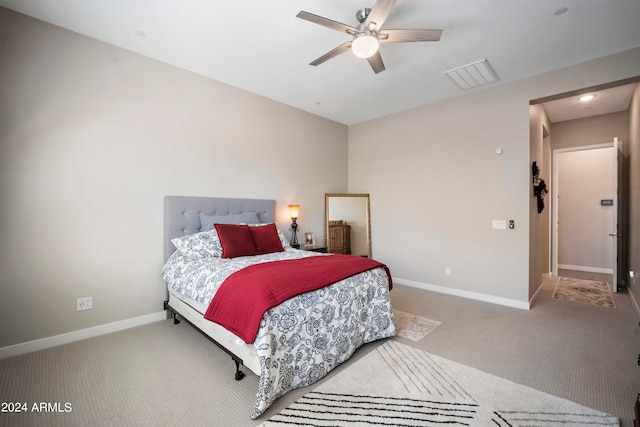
(182, 214)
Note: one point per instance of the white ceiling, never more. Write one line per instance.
(612, 100)
(260, 45)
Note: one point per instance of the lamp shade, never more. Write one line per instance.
(364, 45)
(293, 211)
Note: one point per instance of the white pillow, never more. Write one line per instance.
(199, 245)
(285, 243)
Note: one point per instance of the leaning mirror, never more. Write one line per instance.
(348, 224)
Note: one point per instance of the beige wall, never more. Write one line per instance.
(92, 137)
(590, 131)
(539, 249)
(436, 184)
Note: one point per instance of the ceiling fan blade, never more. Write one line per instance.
(379, 14)
(334, 25)
(335, 52)
(397, 36)
(376, 62)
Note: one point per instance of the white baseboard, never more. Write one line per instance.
(584, 268)
(635, 303)
(536, 294)
(56, 340)
(465, 294)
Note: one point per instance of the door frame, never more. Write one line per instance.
(554, 193)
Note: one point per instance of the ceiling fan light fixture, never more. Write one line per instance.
(364, 45)
(366, 36)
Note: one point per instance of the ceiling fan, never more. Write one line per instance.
(369, 34)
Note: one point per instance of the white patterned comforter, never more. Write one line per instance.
(306, 337)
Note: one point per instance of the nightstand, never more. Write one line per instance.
(314, 249)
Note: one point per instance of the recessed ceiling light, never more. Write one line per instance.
(585, 98)
(561, 11)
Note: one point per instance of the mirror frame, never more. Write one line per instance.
(327, 196)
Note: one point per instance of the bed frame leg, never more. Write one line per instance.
(174, 315)
(239, 373)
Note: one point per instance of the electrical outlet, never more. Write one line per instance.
(85, 303)
(447, 271)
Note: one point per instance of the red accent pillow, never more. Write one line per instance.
(266, 239)
(236, 240)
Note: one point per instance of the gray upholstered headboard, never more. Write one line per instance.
(182, 214)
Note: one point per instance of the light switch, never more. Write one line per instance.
(499, 224)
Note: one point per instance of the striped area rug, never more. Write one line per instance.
(413, 388)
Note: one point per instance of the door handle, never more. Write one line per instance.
(615, 234)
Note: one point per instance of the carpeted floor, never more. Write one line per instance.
(169, 375)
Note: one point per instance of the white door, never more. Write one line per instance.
(604, 184)
(617, 211)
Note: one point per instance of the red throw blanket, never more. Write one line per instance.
(245, 295)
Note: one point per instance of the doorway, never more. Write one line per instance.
(584, 213)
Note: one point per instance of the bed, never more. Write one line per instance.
(303, 337)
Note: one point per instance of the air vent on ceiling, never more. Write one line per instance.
(473, 75)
